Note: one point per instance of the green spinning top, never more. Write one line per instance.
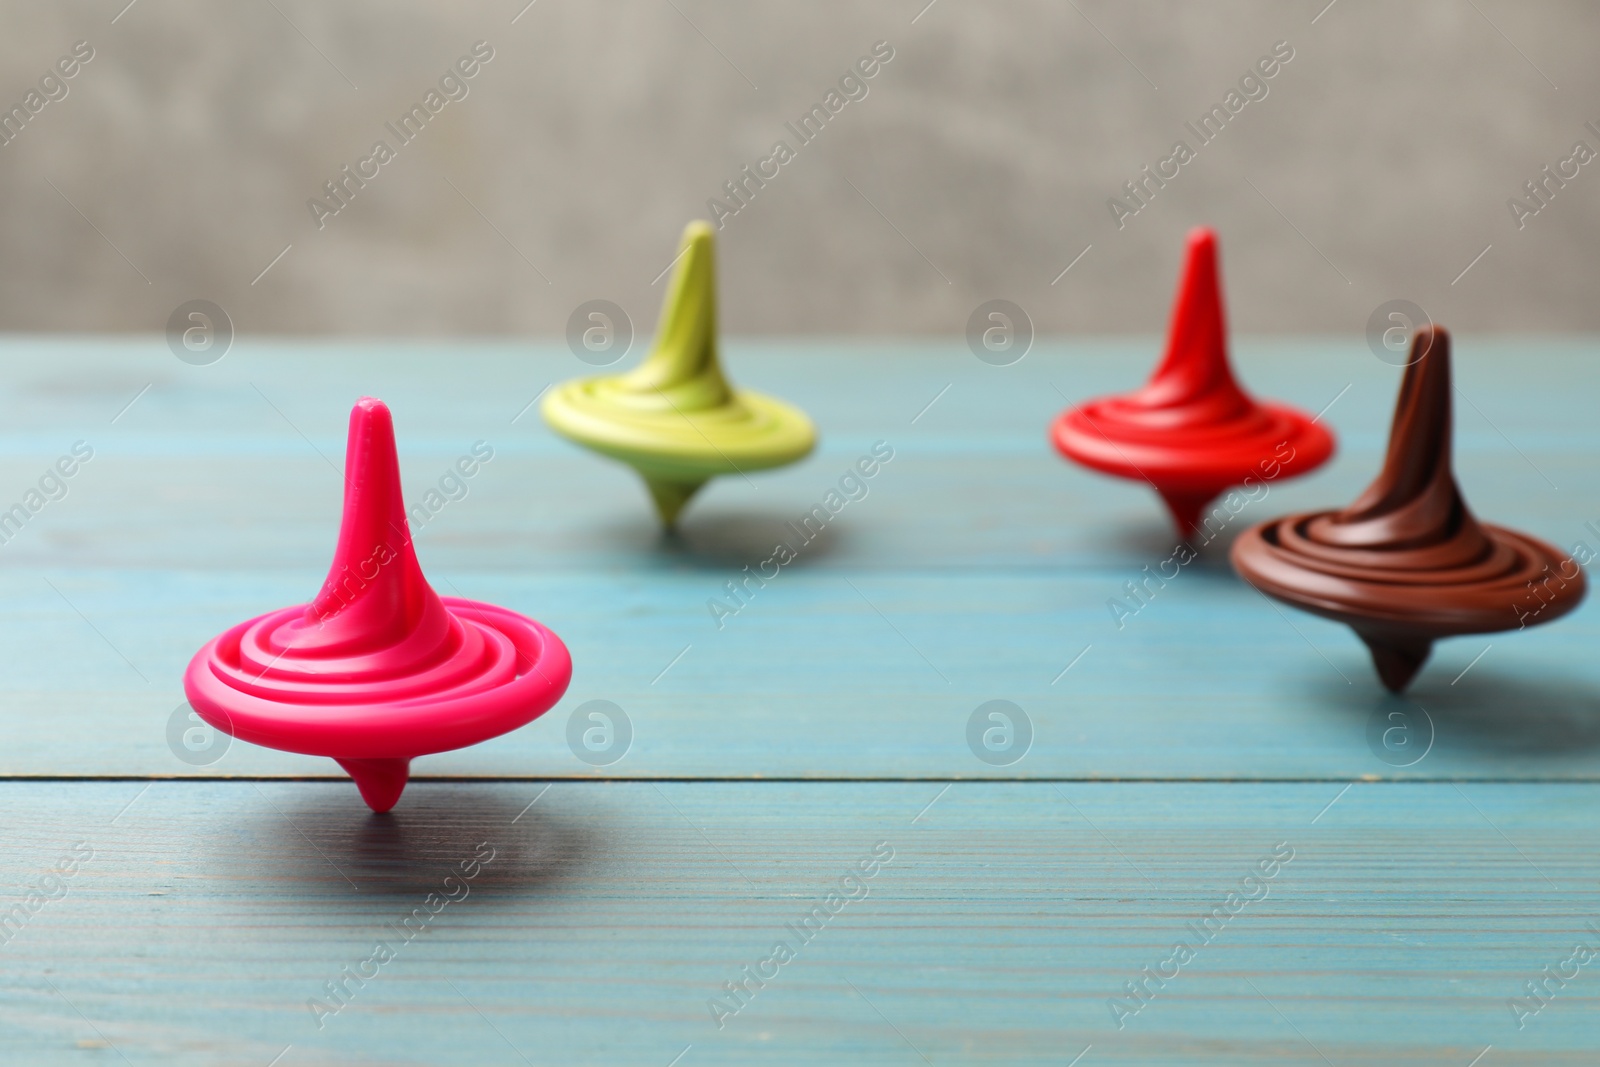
(674, 418)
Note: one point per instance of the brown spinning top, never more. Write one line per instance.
(1407, 563)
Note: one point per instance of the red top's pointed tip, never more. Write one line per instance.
(1199, 276)
(1202, 239)
(1196, 360)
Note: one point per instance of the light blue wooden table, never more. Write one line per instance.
(215, 893)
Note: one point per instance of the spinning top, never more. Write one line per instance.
(1190, 431)
(674, 418)
(1407, 563)
(378, 669)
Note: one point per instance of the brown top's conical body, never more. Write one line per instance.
(1407, 562)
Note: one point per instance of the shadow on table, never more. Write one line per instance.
(1529, 714)
(1487, 712)
(438, 831)
(1154, 540)
(722, 540)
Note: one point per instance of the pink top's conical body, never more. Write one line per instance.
(1191, 431)
(378, 668)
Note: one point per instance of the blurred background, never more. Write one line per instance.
(179, 162)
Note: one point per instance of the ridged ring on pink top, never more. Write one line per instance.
(462, 682)
(378, 668)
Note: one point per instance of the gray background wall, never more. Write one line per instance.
(1378, 166)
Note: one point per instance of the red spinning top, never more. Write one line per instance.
(1191, 431)
(378, 668)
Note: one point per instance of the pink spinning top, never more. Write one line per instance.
(378, 669)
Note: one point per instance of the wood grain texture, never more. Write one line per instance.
(810, 681)
(977, 567)
(1009, 916)
(236, 465)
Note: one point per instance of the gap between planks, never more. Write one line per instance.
(490, 779)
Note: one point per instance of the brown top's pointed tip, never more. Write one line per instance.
(1426, 338)
(1414, 499)
(1426, 381)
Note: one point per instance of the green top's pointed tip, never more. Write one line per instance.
(700, 232)
(692, 293)
(683, 360)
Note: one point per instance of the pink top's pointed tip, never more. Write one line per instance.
(370, 451)
(374, 583)
(371, 433)
(371, 439)
(369, 407)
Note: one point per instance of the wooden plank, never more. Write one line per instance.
(1009, 917)
(810, 680)
(220, 467)
(977, 568)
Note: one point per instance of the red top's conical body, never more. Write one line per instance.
(378, 668)
(1407, 563)
(1191, 431)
